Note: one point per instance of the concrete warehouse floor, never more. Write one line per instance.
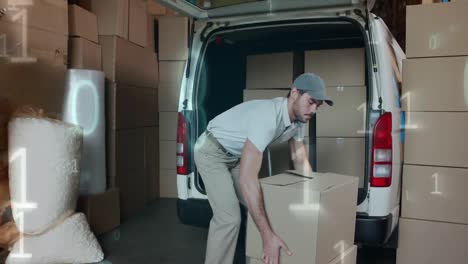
(157, 236)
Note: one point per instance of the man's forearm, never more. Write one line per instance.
(303, 165)
(253, 196)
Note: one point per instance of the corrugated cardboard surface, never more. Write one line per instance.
(436, 138)
(150, 33)
(447, 37)
(342, 155)
(168, 183)
(138, 22)
(168, 98)
(130, 170)
(173, 38)
(82, 23)
(152, 162)
(47, 15)
(112, 17)
(84, 54)
(171, 73)
(315, 217)
(168, 125)
(130, 106)
(102, 210)
(41, 83)
(435, 193)
(270, 71)
(435, 84)
(167, 154)
(155, 9)
(431, 242)
(338, 67)
(347, 116)
(127, 63)
(264, 94)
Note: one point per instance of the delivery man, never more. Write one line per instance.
(228, 156)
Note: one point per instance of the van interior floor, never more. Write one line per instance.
(156, 236)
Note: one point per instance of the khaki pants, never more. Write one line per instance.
(220, 173)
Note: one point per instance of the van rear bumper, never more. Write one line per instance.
(373, 230)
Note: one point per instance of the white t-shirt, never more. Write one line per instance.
(263, 122)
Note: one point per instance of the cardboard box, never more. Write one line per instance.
(436, 138)
(127, 63)
(168, 99)
(150, 29)
(41, 46)
(337, 67)
(168, 125)
(102, 210)
(167, 154)
(130, 107)
(347, 257)
(130, 170)
(270, 71)
(171, 73)
(112, 17)
(423, 80)
(168, 184)
(347, 117)
(314, 216)
(342, 155)
(82, 23)
(447, 37)
(84, 54)
(138, 22)
(155, 9)
(173, 38)
(152, 162)
(264, 94)
(435, 193)
(46, 15)
(40, 83)
(431, 242)
(86, 4)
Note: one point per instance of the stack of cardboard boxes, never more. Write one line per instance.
(131, 69)
(269, 76)
(34, 53)
(434, 223)
(172, 31)
(340, 130)
(102, 209)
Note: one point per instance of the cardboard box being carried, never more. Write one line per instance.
(446, 36)
(315, 215)
(337, 67)
(435, 84)
(102, 210)
(84, 54)
(426, 242)
(82, 23)
(435, 193)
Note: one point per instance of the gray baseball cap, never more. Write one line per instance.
(313, 85)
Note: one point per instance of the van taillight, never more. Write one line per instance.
(181, 150)
(381, 169)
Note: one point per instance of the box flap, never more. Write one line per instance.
(283, 179)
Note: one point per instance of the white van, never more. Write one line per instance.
(225, 32)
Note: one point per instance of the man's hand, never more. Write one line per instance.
(272, 249)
